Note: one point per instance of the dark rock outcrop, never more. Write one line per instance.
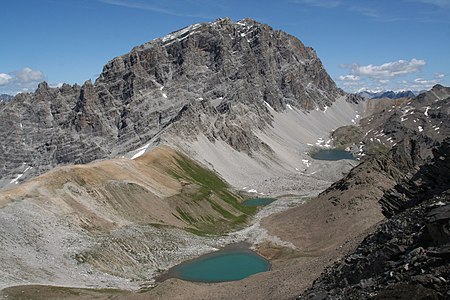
(408, 256)
(430, 180)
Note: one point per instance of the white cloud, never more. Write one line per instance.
(419, 84)
(4, 78)
(396, 76)
(352, 84)
(56, 85)
(28, 75)
(23, 80)
(369, 89)
(423, 83)
(420, 80)
(349, 77)
(389, 69)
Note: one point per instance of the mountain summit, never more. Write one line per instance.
(223, 80)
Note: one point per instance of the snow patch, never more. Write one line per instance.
(367, 133)
(164, 95)
(15, 180)
(141, 151)
(306, 162)
(181, 34)
(426, 111)
(268, 105)
(420, 128)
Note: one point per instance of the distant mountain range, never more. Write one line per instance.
(388, 94)
(5, 97)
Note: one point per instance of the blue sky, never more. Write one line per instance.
(375, 45)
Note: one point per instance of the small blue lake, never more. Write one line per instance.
(258, 201)
(223, 265)
(332, 154)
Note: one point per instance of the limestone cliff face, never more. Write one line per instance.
(221, 79)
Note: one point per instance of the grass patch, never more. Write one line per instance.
(185, 216)
(233, 201)
(226, 214)
(200, 175)
(201, 184)
(346, 136)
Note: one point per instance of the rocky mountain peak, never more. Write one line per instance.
(243, 54)
(42, 88)
(222, 79)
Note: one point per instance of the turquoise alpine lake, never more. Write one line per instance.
(332, 154)
(258, 201)
(223, 265)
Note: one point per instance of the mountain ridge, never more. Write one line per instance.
(234, 73)
(389, 94)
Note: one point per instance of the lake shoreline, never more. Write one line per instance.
(241, 247)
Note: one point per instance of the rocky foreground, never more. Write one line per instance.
(408, 256)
